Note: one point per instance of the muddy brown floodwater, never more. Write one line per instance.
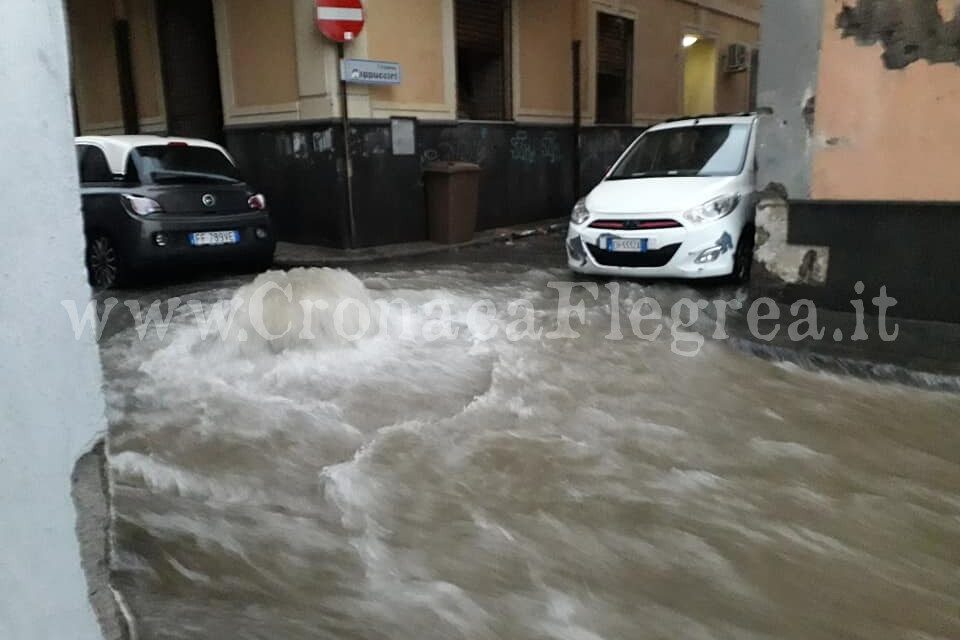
(478, 489)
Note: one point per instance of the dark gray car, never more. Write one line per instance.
(152, 202)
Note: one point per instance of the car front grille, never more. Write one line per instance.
(634, 260)
(636, 225)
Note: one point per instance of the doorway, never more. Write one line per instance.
(699, 76)
(191, 73)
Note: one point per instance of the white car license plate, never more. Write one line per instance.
(632, 245)
(214, 238)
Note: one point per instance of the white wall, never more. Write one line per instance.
(51, 406)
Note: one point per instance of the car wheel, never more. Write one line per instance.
(743, 258)
(103, 263)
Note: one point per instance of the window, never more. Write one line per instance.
(614, 69)
(483, 59)
(707, 150)
(93, 164)
(182, 164)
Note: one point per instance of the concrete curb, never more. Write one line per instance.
(93, 499)
(819, 362)
(290, 256)
(926, 355)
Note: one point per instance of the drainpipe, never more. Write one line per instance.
(128, 93)
(576, 118)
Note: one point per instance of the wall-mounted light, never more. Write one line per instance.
(689, 40)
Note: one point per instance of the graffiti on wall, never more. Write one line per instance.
(464, 145)
(524, 147)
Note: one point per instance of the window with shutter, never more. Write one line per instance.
(483, 60)
(614, 69)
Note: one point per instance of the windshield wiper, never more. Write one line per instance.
(189, 177)
(656, 174)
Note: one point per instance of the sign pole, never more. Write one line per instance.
(347, 159)
(342, 21)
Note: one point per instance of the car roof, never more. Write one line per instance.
(117, 148)
(696, 121)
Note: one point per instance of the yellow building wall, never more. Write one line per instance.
(94, 65)
(410, 32)
(276, 67)
(145, 52)
(658, 57)
(659, 26)
(262, 52)
(733, 89)
(870, 142)
(544, 57)
(700, 78)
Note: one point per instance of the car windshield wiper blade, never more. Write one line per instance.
(653, 174)
(190, 176)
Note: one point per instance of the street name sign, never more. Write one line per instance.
(375, 72)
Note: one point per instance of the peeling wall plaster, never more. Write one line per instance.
(781, 261)
(909, 30)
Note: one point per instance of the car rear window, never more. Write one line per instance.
(183, 164)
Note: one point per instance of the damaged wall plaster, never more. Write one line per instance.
(777, 258)
(909, 30)
(882, 134)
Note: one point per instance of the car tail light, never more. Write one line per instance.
(177, 143)
(141, 206)
(258, 202)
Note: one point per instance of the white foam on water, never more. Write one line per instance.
(315, 309)
(164, 478)
(784, 449)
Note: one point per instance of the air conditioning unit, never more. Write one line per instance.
(738, 58)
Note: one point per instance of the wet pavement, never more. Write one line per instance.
(535, 488)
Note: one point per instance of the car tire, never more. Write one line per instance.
(743, 258)
(105, 268)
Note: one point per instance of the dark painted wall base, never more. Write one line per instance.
(904, 246)
(527, 174)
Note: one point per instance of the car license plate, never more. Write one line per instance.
(214, 238)
(632, 245)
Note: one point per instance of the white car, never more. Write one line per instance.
(679, 203)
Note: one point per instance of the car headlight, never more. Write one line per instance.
(580, 212)
(713, 210)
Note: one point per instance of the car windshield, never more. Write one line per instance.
(180, 164)
(705, 150)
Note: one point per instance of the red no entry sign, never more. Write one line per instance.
(340, 20)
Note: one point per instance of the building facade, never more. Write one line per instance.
(496, 82)
(859, 135)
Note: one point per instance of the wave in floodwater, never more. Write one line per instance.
(463, 488)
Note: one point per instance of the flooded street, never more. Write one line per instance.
(581, 489)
